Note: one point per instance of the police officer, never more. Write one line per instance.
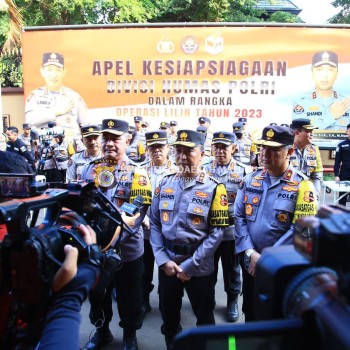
(121, 180)
(136, 150)
(16, 145)
(27, 139)
(265, 207)
(245, 149)
(140, 132)
(342, 163)
(91, 136)
(206, 122)
(172, 138)
(61, 157)
(157, 167)
(54, 101)
(188, 213)
(306, 156)
(230, 173)
(328, 109)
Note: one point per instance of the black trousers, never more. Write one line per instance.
(344, 176)
(148, 260)
(248, 293)
(200, 291)
(128, 284)
(231, 269)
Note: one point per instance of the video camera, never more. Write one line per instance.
(301, 295)
(41, 134)
(38, 224)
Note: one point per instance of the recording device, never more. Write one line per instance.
(133, 208)
(40, 133)
(301, 296)
(37, 229)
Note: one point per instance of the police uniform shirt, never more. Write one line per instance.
(342, 160)
(122, 182)
(309, 162)
(231, 175)
(28, 142)
(244, 151)
(156, 174)
(264, 212)
(60, 152)
(76, 164)
(20, 148)
(42, 101)
(190, 213)
(135, 150)
(316, 109)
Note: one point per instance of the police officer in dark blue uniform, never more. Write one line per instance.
(342, 163)
(16, 145)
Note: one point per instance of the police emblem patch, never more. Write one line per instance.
(142, 180)
(223, 199)
(248, 209)
(256, 200)
(198, 210)
(196, 221)
(245, 198)
(105, 178)
(165, 216)
(165, 204)
(156, 192)
(309, 196)
(282, 217)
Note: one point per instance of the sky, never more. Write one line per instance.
(316, 11)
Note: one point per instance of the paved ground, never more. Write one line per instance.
(149, 337)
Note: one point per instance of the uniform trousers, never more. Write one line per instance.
(248, 293)
(148, 260)
(344, 175)
(128, 284)
(231, 269)
(200, 291)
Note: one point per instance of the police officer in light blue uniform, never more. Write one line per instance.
(245, 149)
(189, 210)
(157, 166)
(265, 205)
(121, 181)
(327, 108)
(229, 172)
(91, 135)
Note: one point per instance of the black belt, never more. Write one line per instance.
(182, 249)
(61, 160)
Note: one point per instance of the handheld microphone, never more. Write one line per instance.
(133, 208)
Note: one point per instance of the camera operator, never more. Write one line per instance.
(266, 206)
(121, 181)
(71, 285)
(16, 145)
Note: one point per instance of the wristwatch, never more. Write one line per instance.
(247, 255)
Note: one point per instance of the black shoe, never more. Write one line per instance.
(130, 343)
(100, 338)
(232, 313)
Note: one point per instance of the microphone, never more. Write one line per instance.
(133, 208)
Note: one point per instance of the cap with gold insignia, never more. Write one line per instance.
(173, 123)
(115, 126)
(227, 138)
(237, 127)
(243, 120)
(51, 124)
(302, 123)
(164, 125)
(27, 126)
(138, 119)
(159, 137)
(53, 58)
(204, 120)
(145, 124)
(202, 129)
(189, 138)
(89, 130)
(276, 136)
(325, 57)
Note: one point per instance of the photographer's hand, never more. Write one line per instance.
(129, 220)
(68, 270)
(253, 260)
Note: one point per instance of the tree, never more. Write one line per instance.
(344, 15)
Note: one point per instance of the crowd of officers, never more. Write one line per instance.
(209, 197)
